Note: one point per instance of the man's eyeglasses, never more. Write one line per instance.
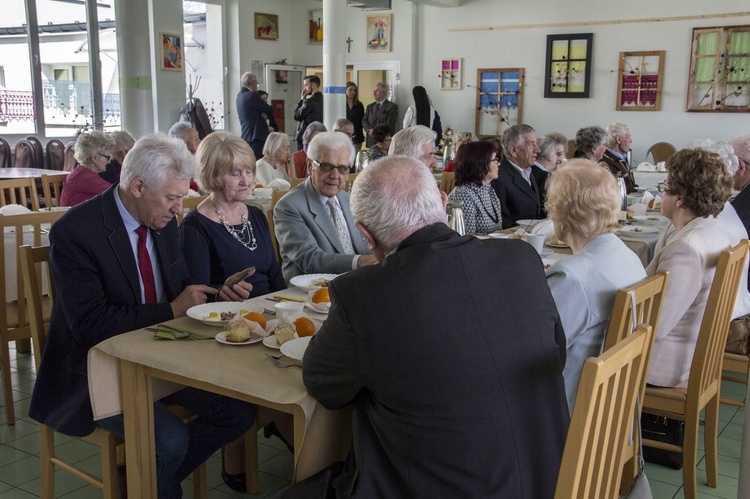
(663, 187)
(328, 167)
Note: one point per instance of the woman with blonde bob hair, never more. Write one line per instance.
(583, 201)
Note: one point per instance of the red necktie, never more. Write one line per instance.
(144, 265)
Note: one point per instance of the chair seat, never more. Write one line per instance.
(11, 310)
(679, 394)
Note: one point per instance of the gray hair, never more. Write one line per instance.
(341, 123)
(615, 130)
(589, 138)
(312, 128)
(179, 129)
(92, 143)
(741, 147)
(123, 138)
(384, 86)
(330, 141)
(409, 141)
(558, 138)
(247, 79)
(274, 143)
(546, 148)
(153, 156)
(726, 151)
(394, 197)
(514, 136)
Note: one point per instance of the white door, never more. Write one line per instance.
(284, 86)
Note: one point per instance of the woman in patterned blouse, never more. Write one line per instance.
(476, 166)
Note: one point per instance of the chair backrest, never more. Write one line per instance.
(447, 182)
(294, 182)
(350, 182)
(52, 185)
(5, 153)
(70, 159)
(705, 370)
(189, 203)
(19, 191)
(274, 241)
(661, 151)
(34, 263)
(25, 155)
(55, 155)
(275, 196)
(38, 151)
(602, 417)
(571, 149)
(649, 295)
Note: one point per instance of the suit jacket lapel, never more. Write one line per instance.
(322, 217)
(120, 241)
(160, 248)
(521, 183)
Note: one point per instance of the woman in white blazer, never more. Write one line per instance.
(422, 113)
(583, 201)
(694, 193)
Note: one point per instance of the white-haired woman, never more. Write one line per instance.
(583, 201)
(93, 152)
(275, 159)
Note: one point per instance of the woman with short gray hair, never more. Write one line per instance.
(93, 152)
(273, 164)
(590, 143)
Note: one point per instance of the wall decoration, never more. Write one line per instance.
(568, 69)
(266, 26)
(720, 70)
(450, 74)
(171, 51)
(315, 22)
(499, 100)
(378, 33)
(639, 81)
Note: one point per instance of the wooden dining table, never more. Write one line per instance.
(36, 173)
(129, 371)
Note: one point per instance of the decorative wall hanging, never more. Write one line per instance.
(171, 51)
(315, 21)
(450, 74)
(639, 81)
(378, 33)
(568, 70)
(266, 26)
(720, 70)
(499, 100)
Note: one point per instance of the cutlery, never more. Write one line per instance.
(276, 362)
(178, 333)
(268, 312)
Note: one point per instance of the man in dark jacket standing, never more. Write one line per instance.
(309, 108)
(252, 111)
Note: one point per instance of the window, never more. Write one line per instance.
(2, 77)
(639, 81)
(499, 100)
(720, 70)
(568, 69)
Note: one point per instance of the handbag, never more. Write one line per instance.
(738, 339)
(666, 430)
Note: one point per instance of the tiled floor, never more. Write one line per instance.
(19, 455)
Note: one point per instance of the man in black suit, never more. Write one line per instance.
(618, 143)
(741, 202)
(515, 185)
(458, 398)
(117, 266)
(309, 108)
(380, 112)
(252, 111)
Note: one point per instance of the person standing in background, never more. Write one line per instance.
(272, 126)
(309, 108)
(355, 111)
(250, 109)
(380, 112)
(422, 113)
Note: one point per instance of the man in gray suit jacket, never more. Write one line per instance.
(313, 225)
(380, 112)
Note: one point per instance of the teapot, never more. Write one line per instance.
(456, 216)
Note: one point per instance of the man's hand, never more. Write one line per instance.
(235, 288)
(192, 295)
(366, 260)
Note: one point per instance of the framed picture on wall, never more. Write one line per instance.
(266, 26)
(315, 22)
(568, 68)
(639, 81)
(378, 33)
(171, 51)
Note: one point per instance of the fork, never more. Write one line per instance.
(276, 362)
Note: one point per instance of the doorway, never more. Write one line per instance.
(284, 87)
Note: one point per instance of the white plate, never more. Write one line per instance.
(310, 306)
(304, 282)
(295, 349)
(498, 235)
(545, 253)
(527, 223)
(638, 231)
(200, 312)
(254, 338)
(651, 218)
(270, 342)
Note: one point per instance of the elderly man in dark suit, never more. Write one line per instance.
(380, 112)
(515, 185)
(615, 157)
(117, 266)
(459, 399)
(252, 111)
(313, 224)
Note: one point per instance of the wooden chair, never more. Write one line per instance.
(447, 182)
(52, 185)
(19, 191)
(735, 363)
(648, 296)
(70, 158)
(571, 149)
(274, 241)
(704, 382)
(14, 324)
(34, 264)
(294, 182)
(5, 153)
(55, 155)
(25, 155)
(661, 151)
(189, 203)
(602, 417)
(275, 196)
(38, 151)
(350, 182)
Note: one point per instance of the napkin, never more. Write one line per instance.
(544, 228)
(13, 209)
(280, 184)
(661, 166)
(645, 167)
(193, 194)
(637, 209)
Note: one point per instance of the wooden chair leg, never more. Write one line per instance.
(711, 435)
(200, 487)
(10, 411)
(109, 467)
(252, 481)
(47, 450)
(690, 454)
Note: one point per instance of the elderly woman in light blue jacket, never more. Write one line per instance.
(583, 201)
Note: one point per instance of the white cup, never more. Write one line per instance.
(536, 240)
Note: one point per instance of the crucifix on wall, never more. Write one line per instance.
(349, 44)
